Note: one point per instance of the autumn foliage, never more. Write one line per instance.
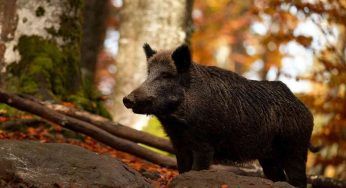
(240, 34)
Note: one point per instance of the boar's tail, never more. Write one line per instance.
(315, 149)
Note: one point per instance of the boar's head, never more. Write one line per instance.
(164, 89)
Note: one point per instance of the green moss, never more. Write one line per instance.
(102, 110)
(71, 32)
(40, 11)
(80, 101)
(71, 134)
(70, 26)
(40, 64)
(50, 70)
(8, 111)
(91, 104)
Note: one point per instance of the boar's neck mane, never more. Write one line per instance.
(212, 75)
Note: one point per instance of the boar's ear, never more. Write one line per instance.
(148, 51)
(182, 58)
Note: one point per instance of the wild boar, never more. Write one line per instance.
(211, 114)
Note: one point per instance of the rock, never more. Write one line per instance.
(35, 164)
(223, 179)
(150, 175)
(282, 184)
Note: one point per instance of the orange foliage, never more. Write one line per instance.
(221, 24)
(227, 25)
(328, 101)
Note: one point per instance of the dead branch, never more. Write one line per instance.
(85, 128)
(115, 128)
(109, 126)
(323, 182)
(19, 122)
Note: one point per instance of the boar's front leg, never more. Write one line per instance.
(273, 169)
(295, 167)
(203, 156)
(184, 158)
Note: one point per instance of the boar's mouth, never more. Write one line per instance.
(138, 106)
(142, 110)
(153, 107)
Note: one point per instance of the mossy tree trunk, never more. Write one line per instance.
(40, 51)
(164, 24)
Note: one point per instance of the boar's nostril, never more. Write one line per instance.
(128, 101)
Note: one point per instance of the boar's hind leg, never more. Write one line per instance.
(295, 168)
(202, 158)
(273, 169)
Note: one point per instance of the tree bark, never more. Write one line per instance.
(8, 26)
(164, 24)
(87, 129)
(95, 15)
(40, 47)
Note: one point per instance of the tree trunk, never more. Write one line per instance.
(164, 24)
(40, 47)
(7, 29)
(95, 15)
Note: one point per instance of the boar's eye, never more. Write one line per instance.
(166, 75)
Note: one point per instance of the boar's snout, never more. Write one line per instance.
(138, 101)
(129, 101)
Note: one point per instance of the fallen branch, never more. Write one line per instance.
(115, 128)
(109, 126)
(86, 128)
(19, 122)
(323, 182)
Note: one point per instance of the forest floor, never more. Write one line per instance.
(51, 133)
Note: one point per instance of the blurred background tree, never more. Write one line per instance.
(96, 16)
(161, 23)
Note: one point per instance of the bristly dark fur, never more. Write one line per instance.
(211, 114)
